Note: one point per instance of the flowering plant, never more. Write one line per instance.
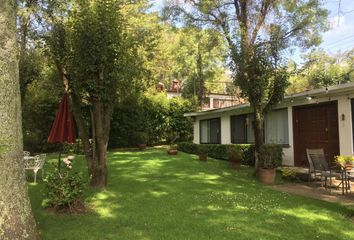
(64, 189)
(344, 160)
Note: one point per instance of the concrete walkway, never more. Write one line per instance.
(317, 192)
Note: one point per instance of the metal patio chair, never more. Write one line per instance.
(35, 164)
(26, 154)
(322, 169)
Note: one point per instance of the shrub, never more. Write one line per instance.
(75, 148)
(187, 147)
(271, 155)
(64, 190)
(160, 118)
(289, 174)
(220, 151)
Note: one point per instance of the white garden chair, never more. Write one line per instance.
(35, 164)
(26, 154)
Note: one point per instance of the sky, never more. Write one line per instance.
(339, 37)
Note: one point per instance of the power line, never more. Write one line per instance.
(340, 40)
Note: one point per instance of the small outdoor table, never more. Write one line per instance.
(347, 174)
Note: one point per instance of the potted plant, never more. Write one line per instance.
(202, 152)
(142, 140)
(235, 158)
(346, 162)
(172, 150)
(270, 157)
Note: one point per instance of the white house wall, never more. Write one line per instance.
(345, 126)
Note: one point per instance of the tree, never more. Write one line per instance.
(96, 57)
(256, 33)
(322, 70)
(30, 58)
(16, 219)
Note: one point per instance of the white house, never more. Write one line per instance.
(320, 118)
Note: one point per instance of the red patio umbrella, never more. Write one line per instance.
(63, 129)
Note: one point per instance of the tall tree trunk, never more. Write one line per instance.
(83, 131)
(16, 219)
(78, 116)
(258, 133)
(101, 119)
(201, 87)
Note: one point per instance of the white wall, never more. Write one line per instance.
(345, 126)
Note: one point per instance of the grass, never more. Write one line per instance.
(151, 195)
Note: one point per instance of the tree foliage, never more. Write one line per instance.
(322, 70)
(159, 118)
(256, 33)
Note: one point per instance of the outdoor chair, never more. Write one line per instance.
(35, 164)
(26, 153)
(311, 169)
(322, 169)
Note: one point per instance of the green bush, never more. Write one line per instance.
(74, 148)
(271, 155)
(160, 118)
(220, 151)
(187, 147)
(289, 174)
(64, 190)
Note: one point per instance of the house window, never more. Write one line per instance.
(210, 131)
(276, 127)
(241, 129)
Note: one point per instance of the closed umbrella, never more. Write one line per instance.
(63, 129)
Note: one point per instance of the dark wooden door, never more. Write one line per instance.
(315, 126)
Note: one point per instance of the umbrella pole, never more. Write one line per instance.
(59, 161)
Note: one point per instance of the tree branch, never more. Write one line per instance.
(263, 13)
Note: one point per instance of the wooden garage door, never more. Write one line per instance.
(315, 126)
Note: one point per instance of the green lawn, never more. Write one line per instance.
(151, 195)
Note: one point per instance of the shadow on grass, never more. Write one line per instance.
(152, 195)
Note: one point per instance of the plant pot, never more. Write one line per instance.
(203, 157)
(235, 162)
(348, 166)
(235, 165)
(142, 146)
(267, 175)
(172, 151)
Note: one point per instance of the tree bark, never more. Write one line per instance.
(101, 118)
(258, 133)
(78, 116)
(83, 131)
(16, 219)
(200, 76)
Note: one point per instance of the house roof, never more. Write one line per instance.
(341, 89)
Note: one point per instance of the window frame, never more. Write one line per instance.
(246, 128)
(219, 132)
(284, 145)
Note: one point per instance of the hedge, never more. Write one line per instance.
(221, 151)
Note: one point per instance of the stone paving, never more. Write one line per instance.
(311, 190)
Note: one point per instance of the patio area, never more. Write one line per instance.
(314, 190)
(317, 192)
